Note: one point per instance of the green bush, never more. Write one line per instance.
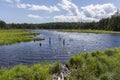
(22, 72)
(97, 65)
(56, 68)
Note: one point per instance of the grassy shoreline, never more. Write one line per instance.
(90, 31)
(97, 65)
(16, 36)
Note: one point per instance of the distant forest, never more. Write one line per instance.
(112, 24)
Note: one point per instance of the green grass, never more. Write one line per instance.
(16, 36)
(89, 31)
(41, 71)
(98, 65)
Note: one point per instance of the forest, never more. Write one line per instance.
(111, 24)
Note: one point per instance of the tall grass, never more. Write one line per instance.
(15, 36)
(41, 71)
(98, 65)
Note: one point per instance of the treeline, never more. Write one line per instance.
(112, 23)
(3, 24)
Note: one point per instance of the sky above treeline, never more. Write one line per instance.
(44, 11)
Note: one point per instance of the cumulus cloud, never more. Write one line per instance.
(86, 13)
(70, 7)
(23, 5)
(38, 7)
(99, 11)
(73, 13)
(34, 16)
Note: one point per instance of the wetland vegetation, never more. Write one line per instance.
(97, 65)
(41, 71)
(16, 36)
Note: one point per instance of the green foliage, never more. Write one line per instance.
(3, 24)
(114, 23)
(15, 36)
(98, 65)
(56, 68)
(22, 72)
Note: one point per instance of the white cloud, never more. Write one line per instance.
(69, 18)
(34, 16)
(12, 1)
(99, 11)
(22, 6)
(38, 7)
(70, 7)
(53, 8)
(9, 1)
(62, 18)
(86, 13)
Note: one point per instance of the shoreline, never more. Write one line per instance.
(89, 31)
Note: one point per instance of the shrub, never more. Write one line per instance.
(56, 68)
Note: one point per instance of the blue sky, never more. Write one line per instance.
(43, 11)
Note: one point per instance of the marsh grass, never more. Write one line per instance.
(16, 36)
(42, 71)
(22, 72)
(90, 31)
(98, 65)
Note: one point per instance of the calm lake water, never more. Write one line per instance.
(56, 46)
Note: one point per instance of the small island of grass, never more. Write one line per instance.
(16, 36)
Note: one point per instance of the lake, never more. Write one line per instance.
(56, 46)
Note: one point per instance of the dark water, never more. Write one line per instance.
(56, 46)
